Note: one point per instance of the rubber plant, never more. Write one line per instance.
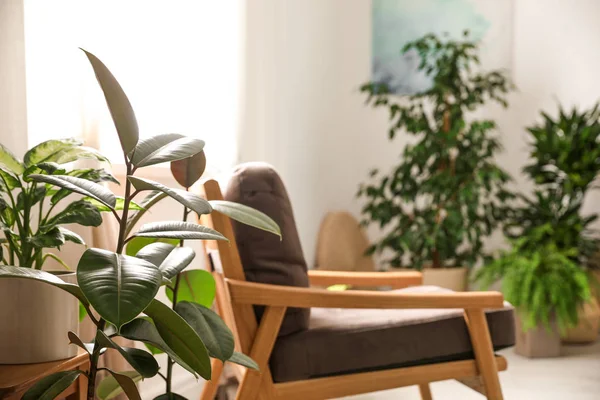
(544, 274)
(28, 215)
(447, 192)
(121, 289)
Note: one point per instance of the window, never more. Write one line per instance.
(178, 61)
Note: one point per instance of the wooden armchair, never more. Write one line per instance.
(460, 319)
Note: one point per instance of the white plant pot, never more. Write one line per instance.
(34, 321)
(449, 278)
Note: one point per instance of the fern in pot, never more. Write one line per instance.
(33, 217)
(118, 290)
(545, 275)
(446, 194)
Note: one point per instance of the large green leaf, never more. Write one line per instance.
(8, 180)
(143, 362)
(216, 336)
(119, 287)
(51, 238)
(118, 104)
(81, 186)
(145, 148)
(49, 387)
(190, 200)
(70, 235)
(32, 199)
(141, 329)
(79, 212)
(10, 161)
(118, 206)
(78, 153)
(242, 359)
(9, 271)
(94, 175)
(44, 151)
(188, 170)
(137, 243)
(169, 259)
(148, 202)
(180, 337)
(117, 383)
(164, 148)
(246, 215)
(195, 285)
(178, 230)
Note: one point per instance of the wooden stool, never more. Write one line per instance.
(16, 379)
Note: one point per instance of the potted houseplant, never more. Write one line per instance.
(565, 154)
(445, 195)
(545, 274)
(121, 288)
(32, 217)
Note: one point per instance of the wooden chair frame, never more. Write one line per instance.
(236, 298)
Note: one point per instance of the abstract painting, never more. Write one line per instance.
(396, 22)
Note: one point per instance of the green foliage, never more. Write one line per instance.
(542, 283)
(28, 215)
(447, 193)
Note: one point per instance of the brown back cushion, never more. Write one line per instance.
(265, 258)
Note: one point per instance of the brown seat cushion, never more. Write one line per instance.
(265, 258)
(341, 341)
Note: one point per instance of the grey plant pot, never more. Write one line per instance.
(537, 342)
(34, 321)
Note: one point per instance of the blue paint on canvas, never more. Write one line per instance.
(396, 22)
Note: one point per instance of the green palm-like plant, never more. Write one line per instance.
(120, 287)
(446, 194)
(28, 215)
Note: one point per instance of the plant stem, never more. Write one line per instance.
(123, 221)
(170, 362)
(94, 363)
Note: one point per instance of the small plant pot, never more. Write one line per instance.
(34, 321)
(586, 330)
(449, 278)
(538, 342)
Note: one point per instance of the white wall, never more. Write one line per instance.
(13, 111)
(306, 59)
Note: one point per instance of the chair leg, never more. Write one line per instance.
(425, 391)
(210, 387)
(484, 353)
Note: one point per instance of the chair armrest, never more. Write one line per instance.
(396, 280)
(243, 292)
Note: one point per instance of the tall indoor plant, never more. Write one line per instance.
(445, 196)
(32, 218)
(121, 288)
(545, 274)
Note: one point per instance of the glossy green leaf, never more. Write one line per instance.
(10, 161)
(49, 387)
(188, 170)
(79, 212)
(143, 330)
(169, 259)
(50, 238)
(216, 336)
(44, 151)
(195, 285)
(9, 271)
(118, 206)
(145, 148)
(70, 235)
(180, 148)
(190, 200)
(180, 337)
(118, 104)
(78, 153)
(143, 362)
(74, 339)
(246, 215)
(81, 186)
(244, 360)
(32, 199)
(119, 287)
(148, 202)
(94, 174)
(82, 312)
(117, 383)
(8, 180)
(178, 230)
(138, 243)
